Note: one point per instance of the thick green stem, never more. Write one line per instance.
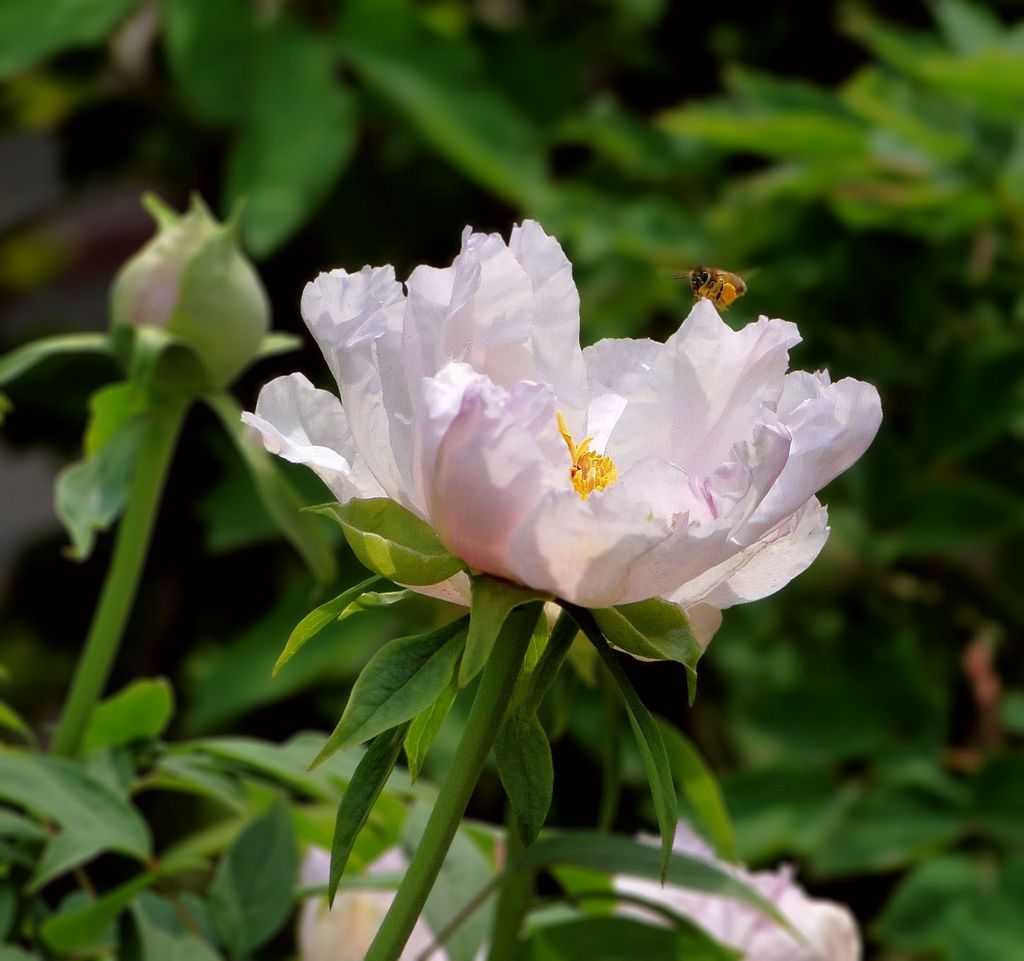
(513, 901)
(485, 718)
(130, 548)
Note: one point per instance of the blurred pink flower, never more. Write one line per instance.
(615, 473)
(829, 930)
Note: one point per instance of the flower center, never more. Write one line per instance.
(590, 471)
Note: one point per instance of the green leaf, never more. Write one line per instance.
(526, 771)
(91, 817)
(968, 27)
(162, 934)
(654, 628)
(621, 939)
(20, 828)
(83, 925)
(30, 32)
(24, 358)
(251, 892)
(400, 680)
(196, 775)
(8, 908)
(140, 711)
(209, 50)
(447, 100)
(361, 794)
(615, 854)
(11, 720)
(492, 601)
(424, 727)
(280, 499)
(277, 343)
(297, 134)
(110, 408)
(393, 542)
(316, 620)
(91, 494)
(10, 953)
(648, 739)
(700, 788)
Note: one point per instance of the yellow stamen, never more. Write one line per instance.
(589, 471)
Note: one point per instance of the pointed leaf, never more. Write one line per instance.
(91, 816)
(29, 33)
(361, 794)
(424, 728)
(492, 601)
(654, 628)
(526, 771)
(24, 358)
(91, 494)
(251, 892)
(648, 739)
(140, 711)
(316, 620)
(400, 680)
(701, 789)
(84, 925)
(616, 854)
(392, 542)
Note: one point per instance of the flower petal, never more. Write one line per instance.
(490, 455)
(357, 321)
(511, 311)
(765, 566)
(695, 397)
(308, 426)
(831, 425)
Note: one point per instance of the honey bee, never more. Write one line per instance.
(718, 286)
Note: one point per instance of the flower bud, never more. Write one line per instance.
(193, 282)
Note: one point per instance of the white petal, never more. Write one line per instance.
(831, 426)
(701, 392)
(490, 455)
(357, 321)
(588, 552)
(829, 930)
(308, 426)
(510, 310)
(764, 567)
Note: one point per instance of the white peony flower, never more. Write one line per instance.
(606, 475)
(344, 932)
(829, 930)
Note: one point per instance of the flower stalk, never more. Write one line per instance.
(490, 705)
(130, 548)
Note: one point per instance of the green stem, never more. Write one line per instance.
(122, 581)
(513, 901)
(485, 718)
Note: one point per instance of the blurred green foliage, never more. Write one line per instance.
(865, 175)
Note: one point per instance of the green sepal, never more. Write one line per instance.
(699, 787)
(656, 629)
(392, 542)
(371, 774)
(648, 739)
(424, 728)
(492, 601)
(336, 609)
(403, 678)
(526, 771)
